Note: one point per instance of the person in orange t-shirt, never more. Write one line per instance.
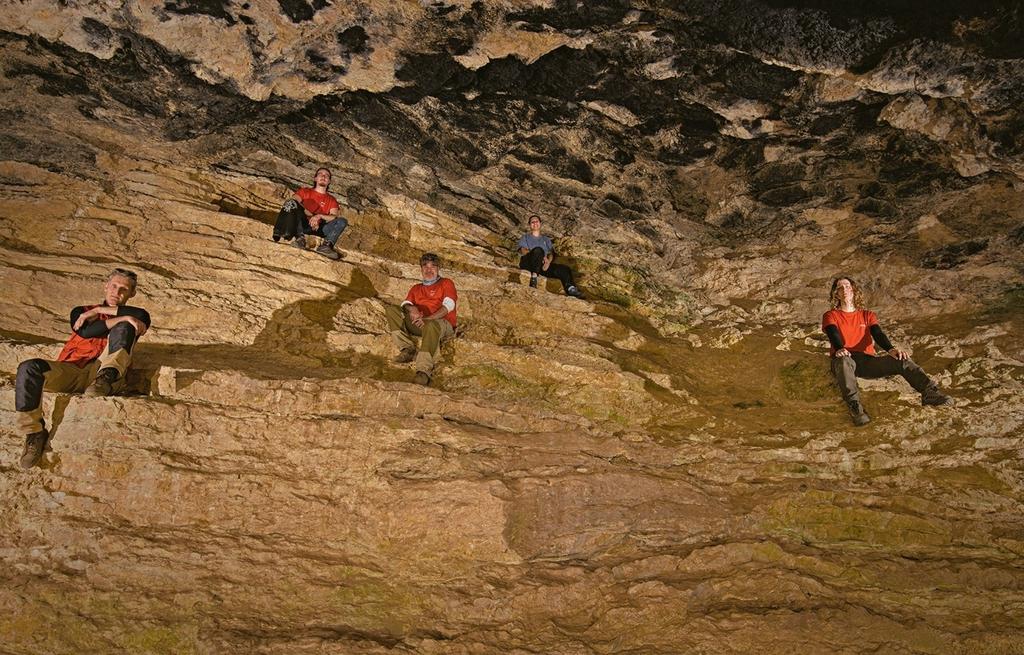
(312, 211)
(852, 332)
(428, 311)
(93, 360)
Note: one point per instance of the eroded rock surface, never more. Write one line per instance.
(663, 468)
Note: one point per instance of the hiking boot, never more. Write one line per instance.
(300, 242)
(533, 281)
(574, 292)
(327, 250)
(933, 396)
(421, 378)
(103, 385)
(35, 443)
(860, 417)
(406, 356)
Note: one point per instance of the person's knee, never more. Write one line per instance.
(909, 364)
(124, 331)
(395, 316)
(32, 369)
(333, 229)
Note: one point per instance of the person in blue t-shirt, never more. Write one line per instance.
(537, 255)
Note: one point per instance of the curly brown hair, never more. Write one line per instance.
(858, 297)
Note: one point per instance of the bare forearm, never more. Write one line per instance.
(441, 313)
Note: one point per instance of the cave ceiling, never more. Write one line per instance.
(649, 134)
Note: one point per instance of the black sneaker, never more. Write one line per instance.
(533, 282)
(406, 356)
(103, 385)
(421, 378)
(327, 250)
(300, 242)
(34, 445)
(574, 292)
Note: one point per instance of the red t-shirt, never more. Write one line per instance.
(81, 351)
(854, 329)
(316, 202)
(428, 299)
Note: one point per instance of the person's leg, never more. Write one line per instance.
(289, 221)
(402, 331)
(564, 275)
(332, 229)
(533, 260)
(845, 371)
(331, 232)
(435, 332)
(560, 272)
(886, 366)
(35, 375)
(114, 362)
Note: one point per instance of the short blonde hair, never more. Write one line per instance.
(131, 276)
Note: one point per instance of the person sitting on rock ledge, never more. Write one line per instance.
(94, 359)
(312, 211)
(852, 332)
(537, 254)
(428, 311)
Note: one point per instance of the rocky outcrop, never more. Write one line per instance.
(662, 468)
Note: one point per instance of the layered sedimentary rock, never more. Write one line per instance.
(663, 468)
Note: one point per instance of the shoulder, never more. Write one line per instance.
(869, 316)
(448, 283)
(830, 315)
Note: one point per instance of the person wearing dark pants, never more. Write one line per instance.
(312, 211)
(94, 359)
(852, 332)
(537, 254)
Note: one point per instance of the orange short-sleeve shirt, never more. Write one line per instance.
(854, 328)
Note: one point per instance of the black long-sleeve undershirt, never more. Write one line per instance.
(98, 328)
(836, 339)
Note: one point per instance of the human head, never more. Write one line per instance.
(532, 220)
(120, 286)
(327, 179)
(430, 265)
(838, 289)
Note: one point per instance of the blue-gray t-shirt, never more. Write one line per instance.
(530, 242)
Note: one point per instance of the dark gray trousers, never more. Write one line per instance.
(846, 370)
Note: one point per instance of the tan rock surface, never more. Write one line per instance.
(663, 468)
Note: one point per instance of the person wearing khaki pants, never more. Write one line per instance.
(94, 360)
(429, 312)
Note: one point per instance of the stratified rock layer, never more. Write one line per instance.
(664, 468)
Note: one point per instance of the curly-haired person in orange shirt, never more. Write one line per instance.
(852, 332)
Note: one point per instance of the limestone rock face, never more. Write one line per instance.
(664, 467)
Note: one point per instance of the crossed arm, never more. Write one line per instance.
(315, 219)
(99, 320)
(417, 317)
